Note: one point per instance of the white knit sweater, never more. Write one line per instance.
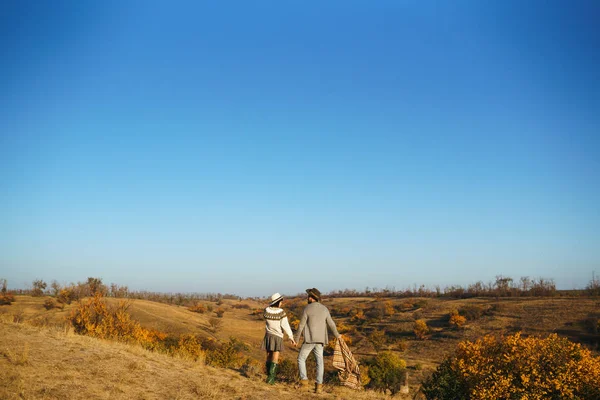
(277, 322)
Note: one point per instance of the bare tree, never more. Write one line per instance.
(38, 287)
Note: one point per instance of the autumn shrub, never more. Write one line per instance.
(38, 288)
(6, 298)
(421, 329)
(94, 318)
(241, 306)
(198, 308)
(377, 339)
(220, 312)
(345, 311)
(294, 323)
(389, 309)
(227, 355)
(401, 345)
(189, 347)
(456, 320)
(405, 306)
(215, 324)
(343, 328)
(515, 367)
(376, 312)
(66, 295)
(365, 379)
(288, 370)
(358, 317)
(49, 304)
(421, 304)
(472, 312)
(386, 372)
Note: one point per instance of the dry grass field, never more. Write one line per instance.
(40, 357)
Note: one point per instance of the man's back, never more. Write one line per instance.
(313, 324)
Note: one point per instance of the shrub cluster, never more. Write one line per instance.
(456, 320)
(93, 317)
(66, 295)
(6, 298)
(387, 371)
(227, 355)
(49, 304)
(198, 308)
(472, 312)
(515, 367)
(421, 329)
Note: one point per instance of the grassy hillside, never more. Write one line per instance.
(38, 363)
(43, 359)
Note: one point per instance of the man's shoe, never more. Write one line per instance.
(302, 385)
(318, 388)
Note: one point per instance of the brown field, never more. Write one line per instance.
(40, 357)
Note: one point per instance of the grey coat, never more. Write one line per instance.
(313, 324)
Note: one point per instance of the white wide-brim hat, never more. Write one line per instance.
(275, 298)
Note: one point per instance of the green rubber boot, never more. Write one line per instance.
(272, 374)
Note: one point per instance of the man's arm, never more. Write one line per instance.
(301, 326)
(331, 325)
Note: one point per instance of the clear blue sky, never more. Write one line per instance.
(254, 147)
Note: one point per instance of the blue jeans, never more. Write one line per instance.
(305, 350)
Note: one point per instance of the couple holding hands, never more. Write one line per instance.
(313, 327)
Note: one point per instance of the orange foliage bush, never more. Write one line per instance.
(343, 328)
(295, 323)
(94, 318)
(6, 298)
(389, 308)
(49, 304)
(227, 355)
(66, 296)
(189, 346)
(358, 317)
(456, 320)
(198, 307)
(514, 367)
(421, 329)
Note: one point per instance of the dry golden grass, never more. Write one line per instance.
(50, 362)
(61, 365)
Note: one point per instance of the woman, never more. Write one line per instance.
(276, 324)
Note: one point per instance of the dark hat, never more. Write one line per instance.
(314, 293)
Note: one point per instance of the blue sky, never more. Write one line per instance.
(255, 147)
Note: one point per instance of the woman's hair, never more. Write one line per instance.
(276, 304)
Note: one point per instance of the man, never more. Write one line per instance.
(313, 326)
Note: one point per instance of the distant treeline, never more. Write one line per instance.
(501, 287)
(76, 291)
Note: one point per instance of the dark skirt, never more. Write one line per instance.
(272, 343)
